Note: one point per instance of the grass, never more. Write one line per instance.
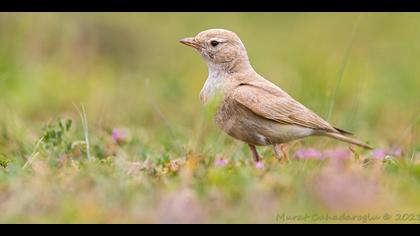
(342, 69)
(83, 118)
(141, 148)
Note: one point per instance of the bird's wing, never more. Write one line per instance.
(269, 101)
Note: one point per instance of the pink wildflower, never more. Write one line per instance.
(379, 153)
(338, 153)
(259, 165)
(308, 154)
(220, 162)
(119, 135)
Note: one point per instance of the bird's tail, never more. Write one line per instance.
(344, 138)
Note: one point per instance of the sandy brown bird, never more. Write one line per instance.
(253, 109)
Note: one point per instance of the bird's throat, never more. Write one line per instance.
(214, 84)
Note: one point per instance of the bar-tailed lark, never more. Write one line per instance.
(253, 109)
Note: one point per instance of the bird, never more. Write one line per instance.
(251, 108)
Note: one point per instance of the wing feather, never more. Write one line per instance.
(274, 104)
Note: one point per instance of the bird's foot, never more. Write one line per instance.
(281, 152)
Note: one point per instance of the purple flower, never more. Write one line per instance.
(119, 135)
(308, 154)
(338, 153)
(397, 152)
(220, 162)
(379, 153)
(259, 165)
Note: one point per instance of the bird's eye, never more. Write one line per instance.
(214, 43)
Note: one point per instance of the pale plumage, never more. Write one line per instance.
(253, 109)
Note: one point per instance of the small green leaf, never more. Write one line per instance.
(68, 124)
(3, 161)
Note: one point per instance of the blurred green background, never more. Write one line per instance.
(130, 71)
(123, 65)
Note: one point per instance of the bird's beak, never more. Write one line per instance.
(190, 42)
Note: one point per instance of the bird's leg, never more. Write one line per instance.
(254, 153)
(283, 149)
(276, 152)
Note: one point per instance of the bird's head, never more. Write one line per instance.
(219, 47)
